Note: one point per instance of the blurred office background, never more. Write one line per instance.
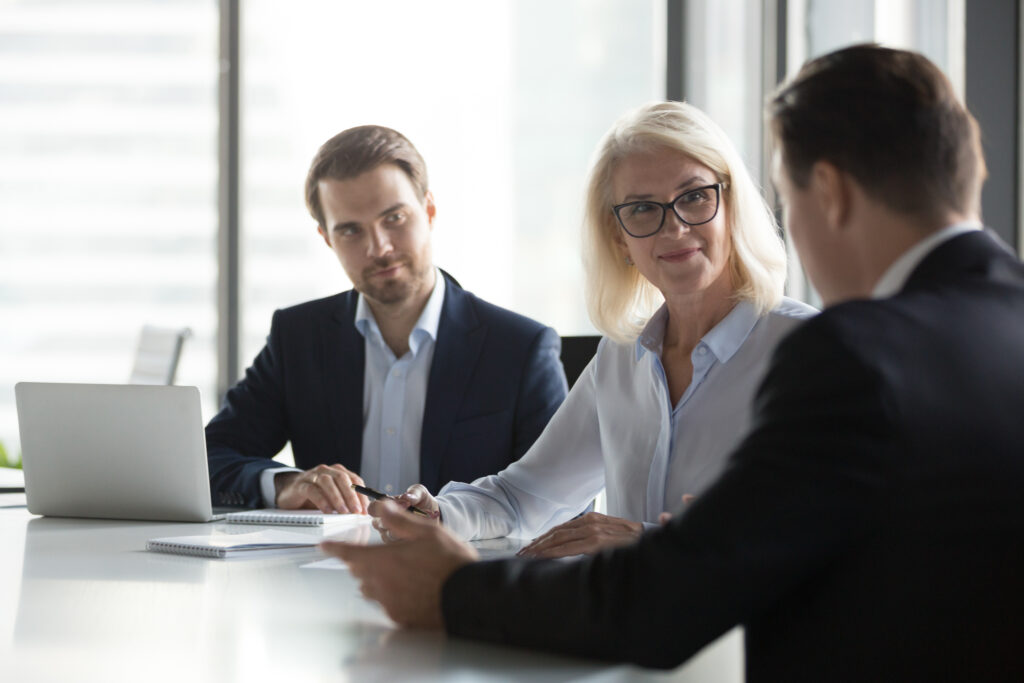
(153, 152)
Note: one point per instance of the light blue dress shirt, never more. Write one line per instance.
(619, 430)
(394, 396)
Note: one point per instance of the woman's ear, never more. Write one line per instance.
(623, 248)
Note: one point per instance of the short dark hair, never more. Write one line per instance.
(890, 119)
(357, 150)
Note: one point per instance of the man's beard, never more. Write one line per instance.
(394, 290)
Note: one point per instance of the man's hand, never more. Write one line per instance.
(587, 533)
(327, 488)
(406, 577)
(666, 517)
(416, 496)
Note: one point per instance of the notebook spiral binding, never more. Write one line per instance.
(185, 549)
(314, 519)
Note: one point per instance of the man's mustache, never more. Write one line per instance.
(383, 264)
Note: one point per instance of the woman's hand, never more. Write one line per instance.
(327, 488)
(416, 496)
(588, 534)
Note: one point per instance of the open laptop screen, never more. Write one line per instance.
(114, 450)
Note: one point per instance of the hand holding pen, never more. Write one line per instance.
(416, 500)
(405, 499)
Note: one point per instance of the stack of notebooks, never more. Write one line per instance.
(225, 543)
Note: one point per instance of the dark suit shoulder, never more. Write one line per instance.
(837, 327)
(967, 278)
(964, 288)
(467, 310)
(864, 327)
(502, 318)
(327, 306)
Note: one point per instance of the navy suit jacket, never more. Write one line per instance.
(869, 528)
(494, 383)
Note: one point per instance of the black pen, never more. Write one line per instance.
(377, 495)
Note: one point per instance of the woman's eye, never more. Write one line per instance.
(695, 197)
(640, 208)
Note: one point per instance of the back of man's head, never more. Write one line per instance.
(890, 119)
(355, 151)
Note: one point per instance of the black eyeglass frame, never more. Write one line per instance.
(666, 206)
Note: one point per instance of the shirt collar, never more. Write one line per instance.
(425, 327)
(896, 275)
(653, 335)
(723, 340)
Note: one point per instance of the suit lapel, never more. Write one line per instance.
(460, 338)
(344, 355)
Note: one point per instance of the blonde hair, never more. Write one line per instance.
(619, 299)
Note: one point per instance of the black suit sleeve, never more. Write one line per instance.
(805, 484)
(541, 391)
(250, 429)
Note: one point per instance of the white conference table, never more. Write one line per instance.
(82, 600)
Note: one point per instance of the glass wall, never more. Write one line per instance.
(108, 156)
(505, 99)
(729, 71)
(814, 27)
(108, 188)
(933, 27)
(724, 69)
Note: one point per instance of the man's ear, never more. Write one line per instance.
(428, 205)
(323, 233)
(831, 188)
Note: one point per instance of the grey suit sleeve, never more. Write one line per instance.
(805, 483)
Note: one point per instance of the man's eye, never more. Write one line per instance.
(396, 217)
(348, 231)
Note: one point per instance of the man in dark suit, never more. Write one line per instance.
(870, 526)
(406, 378)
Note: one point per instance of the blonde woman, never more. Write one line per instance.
(685, 272)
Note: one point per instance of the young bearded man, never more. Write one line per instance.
(405, 378)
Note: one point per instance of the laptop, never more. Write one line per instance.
(116, 451)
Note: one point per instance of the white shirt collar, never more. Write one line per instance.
(427, 324)
(895, 277)
(724, 339)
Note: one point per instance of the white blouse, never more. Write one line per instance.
(618, 430)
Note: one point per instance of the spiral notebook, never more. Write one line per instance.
(295, 518)
(232, 545)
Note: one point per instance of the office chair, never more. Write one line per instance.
(576, 353)
(157, 355)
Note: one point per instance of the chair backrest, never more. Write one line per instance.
(156, 358)
(576, 353)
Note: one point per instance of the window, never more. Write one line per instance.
(506, 101)
(933, 27)
(108, 188)
(723, 75)
(108, 152)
